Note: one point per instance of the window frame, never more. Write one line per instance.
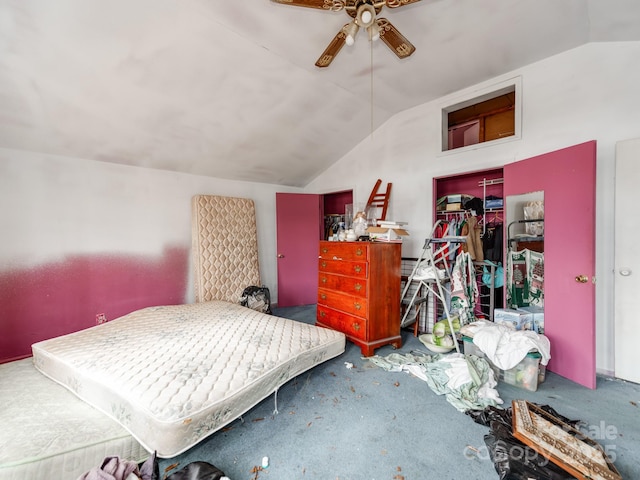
(513, 85)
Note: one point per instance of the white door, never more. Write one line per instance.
(627, 261)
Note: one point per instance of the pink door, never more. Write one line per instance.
(568, 179)
(298, 231)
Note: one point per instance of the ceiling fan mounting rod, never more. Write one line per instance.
(375, 4)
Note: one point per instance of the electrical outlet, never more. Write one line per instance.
(101, 318)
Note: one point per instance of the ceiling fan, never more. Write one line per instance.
(364, 13)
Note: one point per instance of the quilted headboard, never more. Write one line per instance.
(225, 247)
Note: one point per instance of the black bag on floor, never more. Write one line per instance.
(256, 298)
(512, 459)
(198, 471)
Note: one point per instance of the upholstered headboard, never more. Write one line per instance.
(225, 247)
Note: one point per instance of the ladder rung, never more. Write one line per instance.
(409, 320)
(417, 301)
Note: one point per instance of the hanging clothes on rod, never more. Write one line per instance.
(473, 233)
(464, 289)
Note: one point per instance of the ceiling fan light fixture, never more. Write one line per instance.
(366, 15)
(351, 31)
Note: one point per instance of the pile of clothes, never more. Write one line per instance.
(505, 346)
(467, 382)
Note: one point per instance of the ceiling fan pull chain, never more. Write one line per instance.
(371, 50)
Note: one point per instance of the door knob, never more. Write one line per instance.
(280, 255)
(582, 279)
(625, 272)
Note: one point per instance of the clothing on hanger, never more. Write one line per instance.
(474, 239)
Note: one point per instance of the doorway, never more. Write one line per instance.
(300, 225)
(627, 262)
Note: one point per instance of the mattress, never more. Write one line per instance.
(173, 375)
(225, 247)
(47, 432)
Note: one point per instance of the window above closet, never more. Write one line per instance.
(490, 116)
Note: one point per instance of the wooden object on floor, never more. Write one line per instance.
(359, 292)
(567, 447)
(380, 199)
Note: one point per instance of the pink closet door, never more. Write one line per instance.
(568, 179)
(298, 231)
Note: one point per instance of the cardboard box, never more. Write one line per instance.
(521, 320)
(454, 206)
(537, 317)
(382, 234)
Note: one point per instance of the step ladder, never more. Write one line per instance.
(380, 200)
(429, 275)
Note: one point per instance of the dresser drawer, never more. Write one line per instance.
(345, 303)
(344, 250)
(341, 267)
(348, 324)
(348, 285)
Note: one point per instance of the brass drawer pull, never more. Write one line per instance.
(359, 251)
(325, 250)
(324, 280)
(324, 264)
(356, 327)
(357, 306)
(323, 314)
(357, 268)
(323, 296)
(358, 287)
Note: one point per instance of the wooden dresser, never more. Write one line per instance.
(359, 292)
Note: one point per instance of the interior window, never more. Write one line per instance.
(482, 119)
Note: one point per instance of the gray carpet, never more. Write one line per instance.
(336, 423)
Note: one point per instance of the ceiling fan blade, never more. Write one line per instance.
(399, 3)
(332, 49)
(332, 5)
(394, 39)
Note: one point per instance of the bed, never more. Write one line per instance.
(173, 375)
(47, 432)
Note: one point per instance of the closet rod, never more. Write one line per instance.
(493, 181)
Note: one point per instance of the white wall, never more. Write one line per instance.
(54, 207)
(588, 93)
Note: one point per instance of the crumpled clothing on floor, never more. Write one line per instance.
(115, 468)
(467, 382)
(507, 347)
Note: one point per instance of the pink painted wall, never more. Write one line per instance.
(53, 299)
(467, 183)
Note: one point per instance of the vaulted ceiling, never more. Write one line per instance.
(229, 88)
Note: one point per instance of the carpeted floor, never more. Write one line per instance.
(340, 423)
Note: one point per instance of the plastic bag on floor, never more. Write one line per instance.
(512, 459)
(198, 471)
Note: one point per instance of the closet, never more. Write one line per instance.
(300, 225)
(567, 179)
(474, 202)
